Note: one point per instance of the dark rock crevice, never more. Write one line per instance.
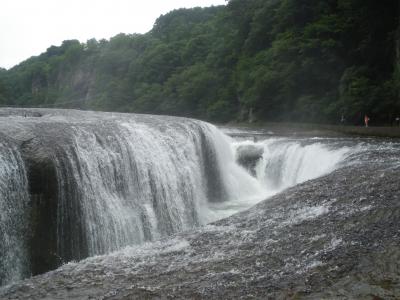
(216, 190)
(53, 240)
(43, 191)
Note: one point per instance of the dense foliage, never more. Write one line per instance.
(296, 60)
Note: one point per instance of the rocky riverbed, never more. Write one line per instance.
(336, 237)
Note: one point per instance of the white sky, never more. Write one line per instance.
(29, 27)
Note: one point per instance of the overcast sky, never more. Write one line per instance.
(29, 27)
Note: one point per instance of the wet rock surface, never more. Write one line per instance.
(248, 156)
(336, 237)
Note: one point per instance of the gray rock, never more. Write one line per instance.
(248, 156)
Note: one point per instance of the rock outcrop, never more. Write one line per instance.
(248, 156)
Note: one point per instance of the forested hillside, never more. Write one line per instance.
(275, 60)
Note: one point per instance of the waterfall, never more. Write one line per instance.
(286, 163)
(129, 182)
(279, 163)
(14, 199)
(98, 182)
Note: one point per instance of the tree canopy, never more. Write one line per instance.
(283, 60)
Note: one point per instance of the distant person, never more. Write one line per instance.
(366, 120)
(343, 119)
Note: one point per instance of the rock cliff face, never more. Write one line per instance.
(331, 238)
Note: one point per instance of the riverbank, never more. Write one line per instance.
(306, 129)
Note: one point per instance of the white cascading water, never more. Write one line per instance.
(284, 163)
(241, 187)
(137, 182)
(134, 184)
(14, 199)
(127, 181)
